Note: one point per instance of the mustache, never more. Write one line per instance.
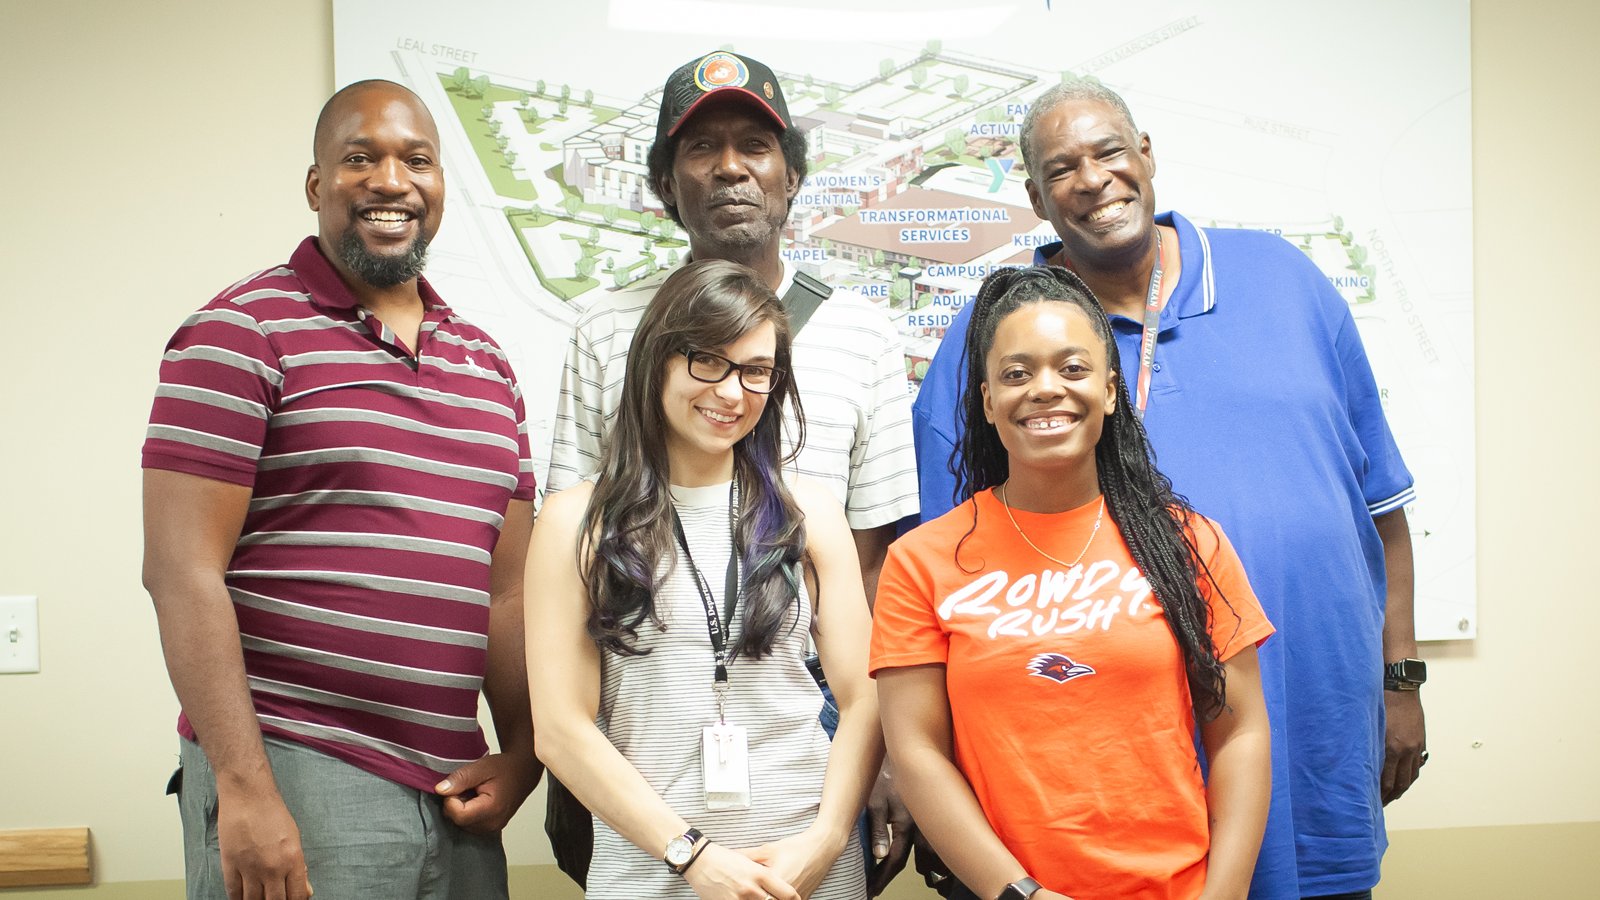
(734, 194)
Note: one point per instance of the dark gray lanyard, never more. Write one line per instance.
(720, 627)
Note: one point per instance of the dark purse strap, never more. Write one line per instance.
(802, 298)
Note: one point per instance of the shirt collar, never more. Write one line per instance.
(787, 281)
(327, 288)
(1196, 291)
(784, 283)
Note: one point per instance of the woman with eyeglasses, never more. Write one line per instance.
(1045, 650)
(669, 609)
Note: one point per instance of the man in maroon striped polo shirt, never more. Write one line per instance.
(338, 493)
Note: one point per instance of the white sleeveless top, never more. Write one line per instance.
(653, 707)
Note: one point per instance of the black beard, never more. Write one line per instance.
(382, 271)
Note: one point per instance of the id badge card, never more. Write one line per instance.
(725, 754)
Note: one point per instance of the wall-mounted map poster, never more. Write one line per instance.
(1345, 128)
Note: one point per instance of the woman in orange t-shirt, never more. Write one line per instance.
(1045, 650)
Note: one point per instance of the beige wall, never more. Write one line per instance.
(155, 151)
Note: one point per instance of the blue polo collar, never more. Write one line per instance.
(1196, 292)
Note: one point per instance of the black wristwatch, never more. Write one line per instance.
(1405, 675)
(680, 851)
(1021, 889)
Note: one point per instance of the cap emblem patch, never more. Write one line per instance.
(721, 70)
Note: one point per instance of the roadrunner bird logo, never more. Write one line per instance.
(1057, 667)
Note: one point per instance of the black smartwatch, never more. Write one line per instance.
(680, 851)
(1021, 889)
(1405, 675)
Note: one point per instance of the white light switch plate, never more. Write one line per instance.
(19, 634)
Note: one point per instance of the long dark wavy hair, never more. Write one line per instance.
(627, 529)
(1155, 523)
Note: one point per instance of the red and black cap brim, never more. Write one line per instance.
(729, 95)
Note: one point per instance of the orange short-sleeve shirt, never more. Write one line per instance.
(1071, 710)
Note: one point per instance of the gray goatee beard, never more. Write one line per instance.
(382, 271)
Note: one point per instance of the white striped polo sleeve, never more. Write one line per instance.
(580, 420)
(883, 460)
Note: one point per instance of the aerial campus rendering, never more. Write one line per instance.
(915, 191)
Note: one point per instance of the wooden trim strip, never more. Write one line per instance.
(41, 856)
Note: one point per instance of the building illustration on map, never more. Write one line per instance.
(914, 193)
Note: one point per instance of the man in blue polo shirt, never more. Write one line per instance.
(1263, 411)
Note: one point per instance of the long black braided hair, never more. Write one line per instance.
(1155, 522)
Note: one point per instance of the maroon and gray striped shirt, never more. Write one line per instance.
(380, 481)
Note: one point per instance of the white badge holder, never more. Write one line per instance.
(725, 758)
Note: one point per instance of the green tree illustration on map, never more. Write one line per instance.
(900, 292)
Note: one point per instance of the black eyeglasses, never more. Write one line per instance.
(712, 369)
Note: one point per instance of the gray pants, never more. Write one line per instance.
(364, 837)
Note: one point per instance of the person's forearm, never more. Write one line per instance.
(606, 783)
(505, 680)
(1405, 732)
(1237, 799)
(200, 641)
(949, 816)
(872, 545)
(1399, 622)
(853, 762)
(1238, 743)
